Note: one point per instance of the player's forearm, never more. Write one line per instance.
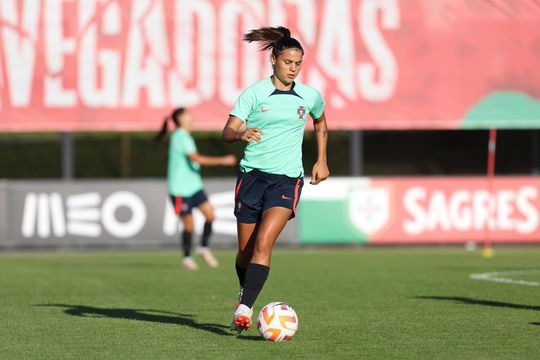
(321, 138)
(230, 135)
(204, 160)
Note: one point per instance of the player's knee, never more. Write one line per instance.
(263, 248)
(188, 226)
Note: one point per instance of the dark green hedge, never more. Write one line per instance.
(386, 153)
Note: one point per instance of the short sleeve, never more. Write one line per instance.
(244, 104)
(318, 106)
(189, 145)
(183, 143)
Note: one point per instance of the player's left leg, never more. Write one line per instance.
(208, 212)
(182, 209)
(187, 234)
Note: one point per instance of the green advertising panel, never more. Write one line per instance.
(324, 221)
(328, 212)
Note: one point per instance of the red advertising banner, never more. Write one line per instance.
(458, 210)
(111, 65)
(422, 210)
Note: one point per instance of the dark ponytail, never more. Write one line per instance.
(276, 39)
(175, 115)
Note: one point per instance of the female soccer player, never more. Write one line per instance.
(185, 183)
(270, 179)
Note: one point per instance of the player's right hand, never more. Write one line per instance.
(229, 160)
(252, 135)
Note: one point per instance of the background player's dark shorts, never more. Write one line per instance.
(257, 191)
(184, 205)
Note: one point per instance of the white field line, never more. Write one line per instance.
(507, 277)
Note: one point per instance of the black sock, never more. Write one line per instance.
(207, 232)
(256, 275)
(241, 273)
(186, 243)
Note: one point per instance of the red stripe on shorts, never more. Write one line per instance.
(237, 189)
(177, 204)
(296, 195)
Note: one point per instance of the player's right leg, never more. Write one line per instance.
(208, 212)
(248, 194)
(270, 226)
(260, 244)
(247, 234)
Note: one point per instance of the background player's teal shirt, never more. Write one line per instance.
(281, 115)
(183, 175)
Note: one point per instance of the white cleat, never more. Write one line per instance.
(242, 319)
(208, 257)
(189, 264)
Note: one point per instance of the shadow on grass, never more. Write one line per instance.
(250, 338)
(535, 323)
(155, 316)
(469, 301)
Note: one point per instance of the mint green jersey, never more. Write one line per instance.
(183, 175)
(282, 116)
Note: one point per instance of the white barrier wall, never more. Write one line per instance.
(87, 214)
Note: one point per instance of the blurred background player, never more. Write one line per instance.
(185, 184)
(271, 173)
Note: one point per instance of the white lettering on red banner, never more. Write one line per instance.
(93, 65)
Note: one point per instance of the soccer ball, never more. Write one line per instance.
(277, 321)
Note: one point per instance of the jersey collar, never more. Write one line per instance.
(283, 92)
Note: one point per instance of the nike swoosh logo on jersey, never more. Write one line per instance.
(285, 197)
(265, 110)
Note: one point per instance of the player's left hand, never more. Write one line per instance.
(319, 172)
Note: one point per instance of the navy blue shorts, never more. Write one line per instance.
(184, 205)
(257, 191)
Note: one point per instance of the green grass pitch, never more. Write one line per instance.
(352, 303)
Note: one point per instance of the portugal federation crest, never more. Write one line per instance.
(369, 209)
(301, 111)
